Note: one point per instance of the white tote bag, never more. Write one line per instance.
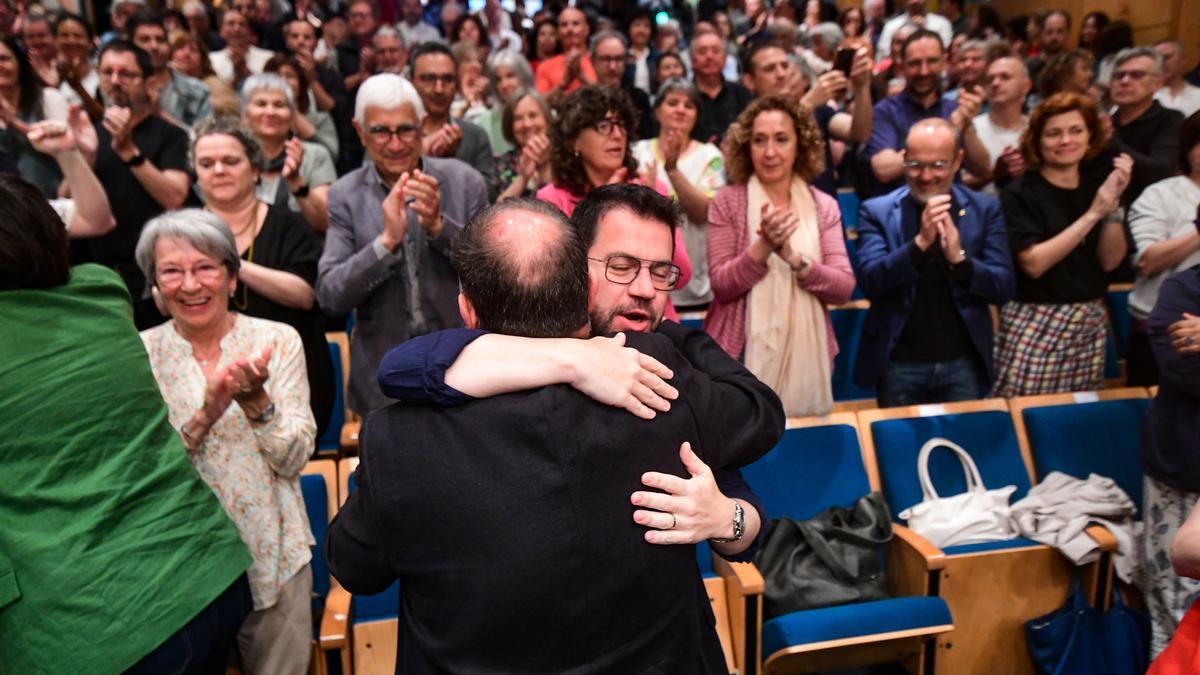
(977, 515)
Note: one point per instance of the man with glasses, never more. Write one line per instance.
(630, 276)
(435, 75)
(392, 224)
(609, 51)
(932, 256)
(141, 161)
(923, 61)
(507, 519)
(1142, 127)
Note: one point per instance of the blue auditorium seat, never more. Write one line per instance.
(847, 329)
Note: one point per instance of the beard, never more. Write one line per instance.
(602, 321)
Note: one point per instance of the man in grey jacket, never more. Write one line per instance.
(391, 227)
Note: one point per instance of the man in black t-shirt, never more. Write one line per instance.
(141, 162)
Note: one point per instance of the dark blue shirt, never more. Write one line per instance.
(415, 371)
(1170, 443)
(892, 118)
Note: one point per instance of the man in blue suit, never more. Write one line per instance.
(933, 256)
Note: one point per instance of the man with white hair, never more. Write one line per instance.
(1176, 93)
(391, 227)
(391, 56)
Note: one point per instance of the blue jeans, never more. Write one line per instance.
(962, 379)
(205, 644)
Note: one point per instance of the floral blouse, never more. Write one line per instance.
(253, 469)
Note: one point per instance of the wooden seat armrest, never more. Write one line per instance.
(335, 621)
(905, 538)
(1103, 537)
(744, 578)
(350, 435)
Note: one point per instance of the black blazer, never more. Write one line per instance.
(508, 522)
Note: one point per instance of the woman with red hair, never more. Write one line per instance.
(1065, 232)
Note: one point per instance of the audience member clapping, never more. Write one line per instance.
(24, 100)
(279, 251)
(235, 388)
(777, 256)
(522, 171)
(694, 171)
(296, 174)
(1065, 234)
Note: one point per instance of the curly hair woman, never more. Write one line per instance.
(777, 255)
(589, 147)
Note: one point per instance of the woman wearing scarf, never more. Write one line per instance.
(777, 255)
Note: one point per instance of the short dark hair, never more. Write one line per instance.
(1189, 137)
(146, 17)
(753, 49)
(427, 48)
(123, 46)
(1041, 20)
(539, 291)
(920, 34)
(65, 17)
(643, 201)
(33, 241)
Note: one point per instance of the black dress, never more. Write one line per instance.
(286, 243)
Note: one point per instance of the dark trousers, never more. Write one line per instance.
(1141, 369)
(961, 379)
(203, 646)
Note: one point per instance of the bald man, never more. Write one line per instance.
(932, 256)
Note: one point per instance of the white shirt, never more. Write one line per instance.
(995, 138)
(256, 59)
(418, 34)
(1165, 210)
(1186, 102)
(934, 22)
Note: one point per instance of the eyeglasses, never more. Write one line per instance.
(609, 59)
(914, 167)
(382, 135)
(169, 277)
(624, 269)
(606, 126)
(434, 78)
(123, 75)
(1135, 75)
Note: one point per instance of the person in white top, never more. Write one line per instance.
(413, 28)
(914, 13)
(1176, 93)
(239, 59)
(1006, 83)
(1163, 221)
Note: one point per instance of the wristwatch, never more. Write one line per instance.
(739, 525)
(138, 159)
(302, 192)
(267, 414)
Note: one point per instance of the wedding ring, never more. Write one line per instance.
(672, 522)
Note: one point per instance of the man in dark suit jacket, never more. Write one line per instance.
(500, 517)
(932, 256)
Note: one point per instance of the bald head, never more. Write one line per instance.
(932, 155)
(523, 271)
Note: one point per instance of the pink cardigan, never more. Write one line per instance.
(733, 273)
(566, 201)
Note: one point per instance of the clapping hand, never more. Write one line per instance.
(1108, 197)
(421, 191)
(116, 122)
(293, 150)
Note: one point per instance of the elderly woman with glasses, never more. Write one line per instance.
(589, 148)
(236, 390)
(694, 171)
(777, 255)
(1066, 235)
(295, 173)
(279, 251)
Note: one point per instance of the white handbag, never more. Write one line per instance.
(975, 516)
